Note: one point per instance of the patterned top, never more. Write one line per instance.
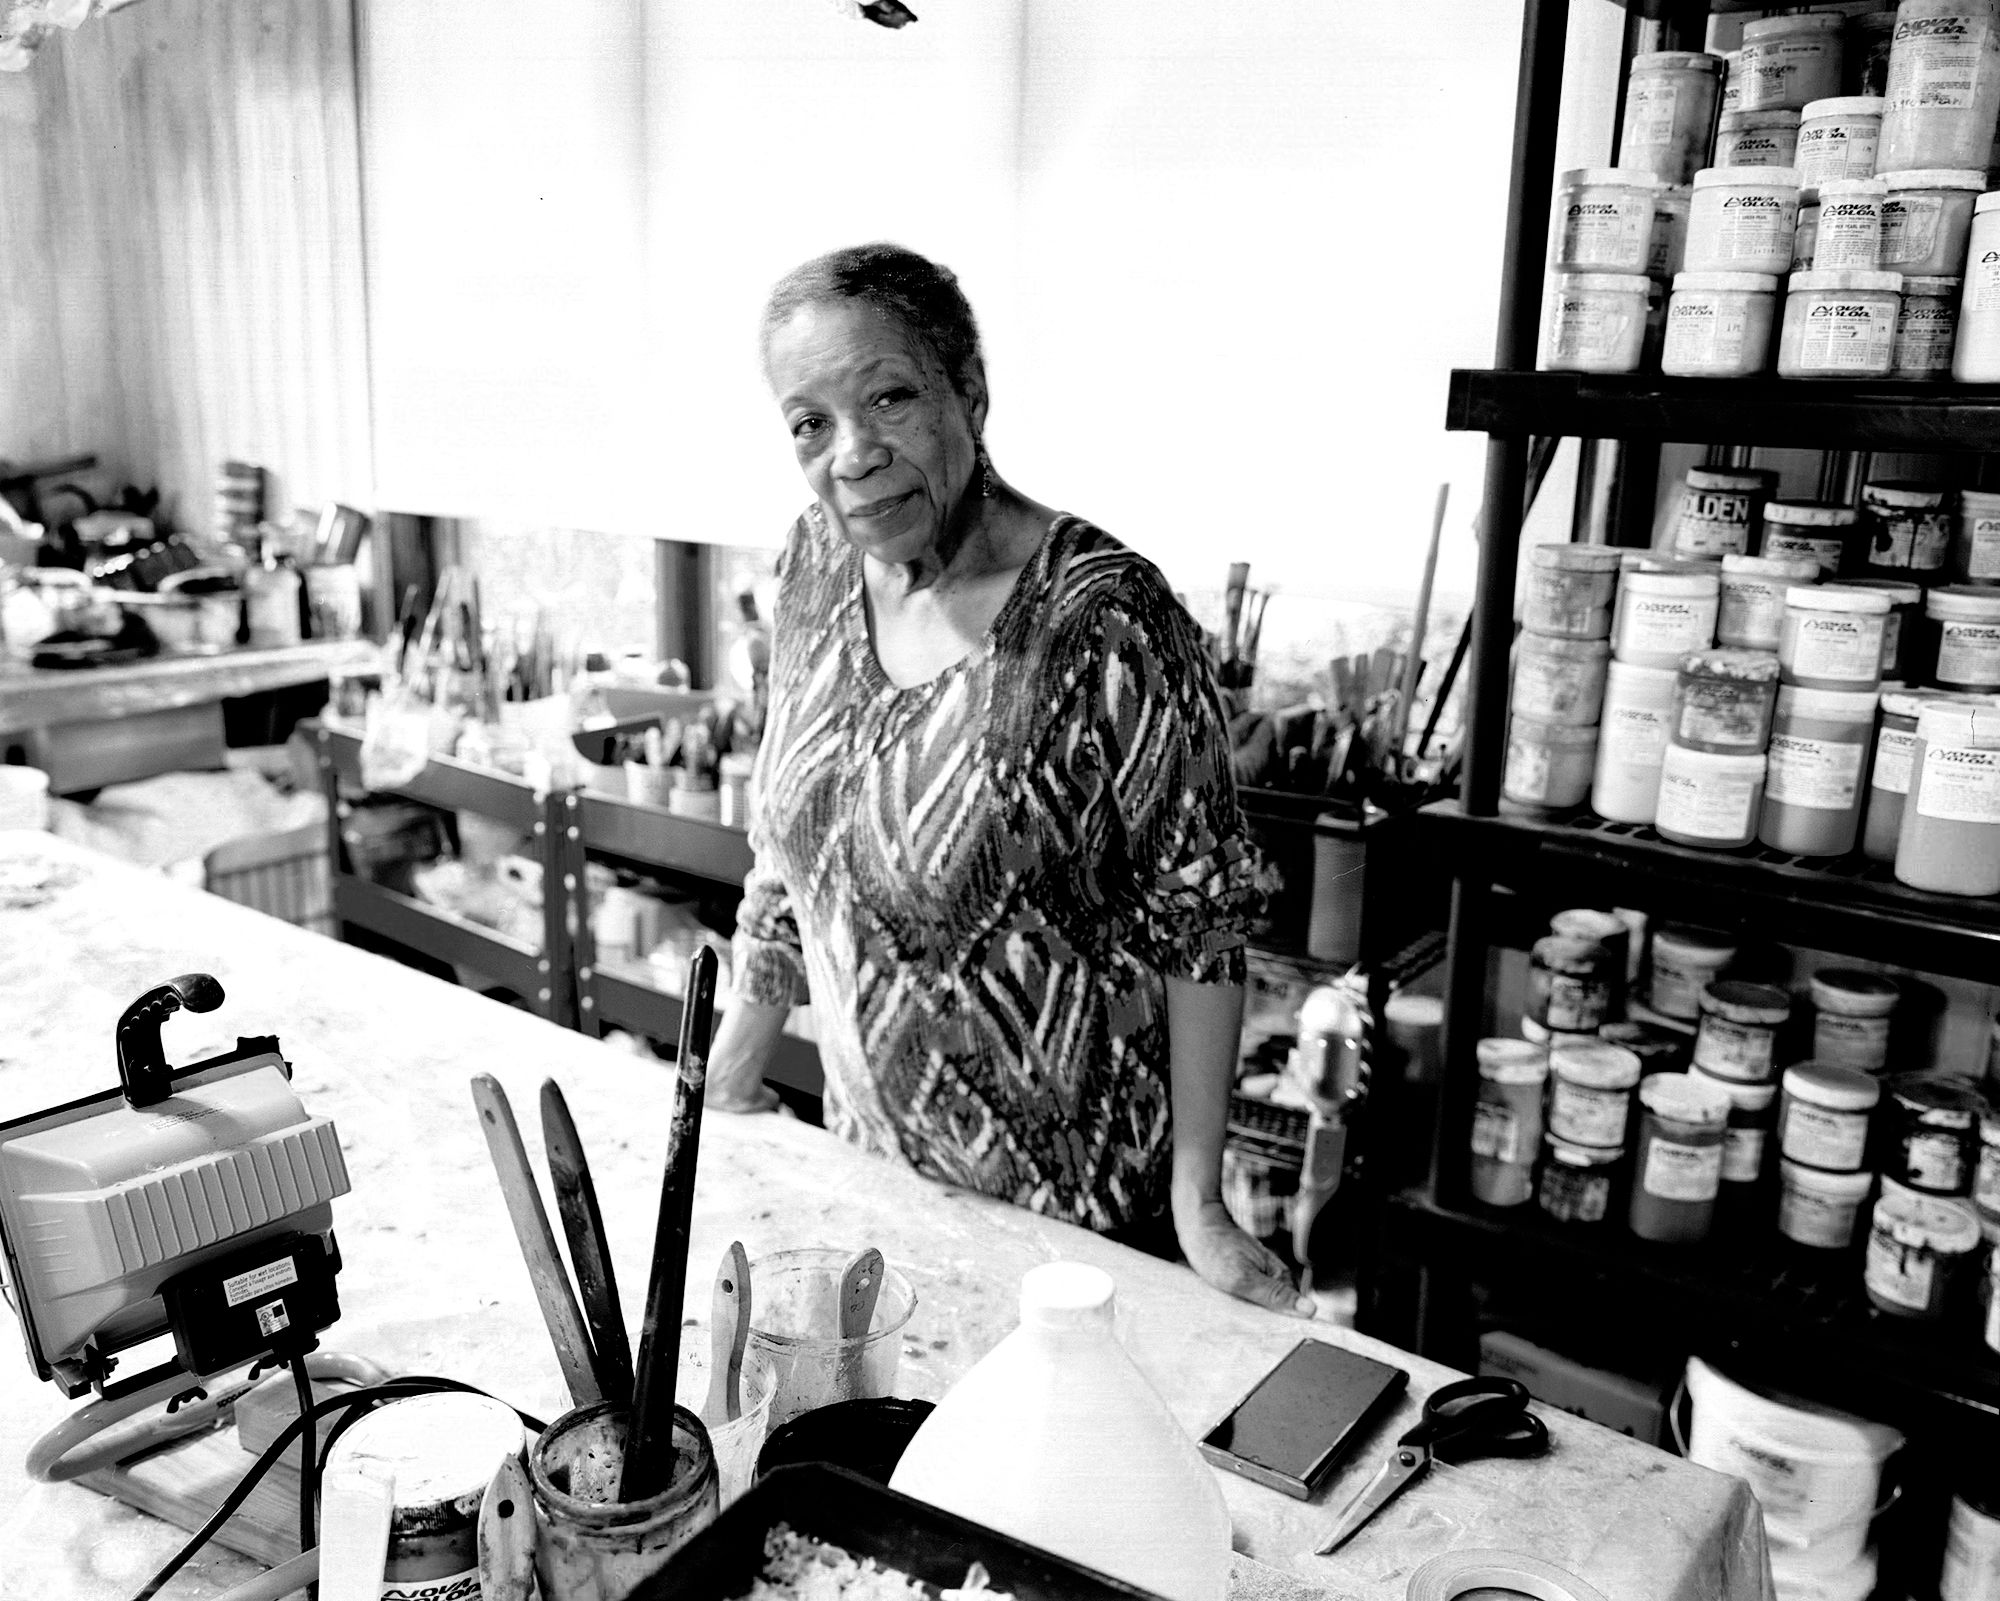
(980, 880)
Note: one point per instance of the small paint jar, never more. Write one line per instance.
(1971, 1570)
(1832, 638)
(1548, 766)
(1927, 328)
(1570, 589)
(1927, 220)
(1820, 1210)
(1921, 1252)
(1670, 99)
(1752, 1114)
(1738, 1036)
(1596, 322)
(1719, 326)
(1685, 961)
(1839, 324)
(1611, 934)
(1791, 61)
(1986, 1176)
(1604, 221)
(1661, 616)
(1576, 1182)
(1836, 139)
(1950, 839)
(1934, 1139)
(1813, 788)
(1909, 648)
(1823, 1117)
(1741, 219)
(1889, 775)
(1569, 984)
(1507, 1120)
(1660, 1050)
(1975, 551)
(1720, 508)
(1732, 82)
(1943, 90)
(1851, 1014)
(1976, 357)
(1723, 700)
(1590, 1093)
(1968, 627)
(1708, 799)
(1850, 226)
(1908, 529)
(1559, 680)
(1677, 1171)
(1632, 742)
(1808, 528)
(1756, 139)
(1752, 608)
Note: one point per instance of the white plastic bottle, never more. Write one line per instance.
(1056, 1438)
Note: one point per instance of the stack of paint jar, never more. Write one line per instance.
(1560, 666)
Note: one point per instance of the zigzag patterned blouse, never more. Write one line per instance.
(981, 880)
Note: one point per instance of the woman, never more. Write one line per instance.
(998, 842)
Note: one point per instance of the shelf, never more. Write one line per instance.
(1877, 415)
(447, 783)
(652, 836)
(438, 933)
(621, 999)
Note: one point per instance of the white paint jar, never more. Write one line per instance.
(1709, 799)
(1670, 100)
(1632, 742)
(1824, 1115)
(1719, 326)
(1968, 629)
(1741, 219)
(1752, 608)
(1837, 139)
(1971, 1569)
(1661, 616)
(1757, 139)
(1685, 962)
(1849, 238)
(1950, 838)
(1927, 328)
(1791, 61)
(1832, 638)
(1820, 1209)
(1570, 589)
(1590, 1093)
(1604, 220)
(1926, 220)
(1738, 1033)
(1975, 552)
(1976, 359)
(1595, 322)
(1558, 680)
(1943, 94)
(1851, 1015)
(1840, 325)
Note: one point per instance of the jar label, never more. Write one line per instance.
(1846, 647)
(1569, 1003)
(1707, 805)
(1834, 150)
(1651, 104)
(1529, 771)
(1570, 1195)
(1960, 784)
(1813, 1219)
(1909, 228)
(1982, 282)
(1609, 231)
(1632, 736)
(1820, 1137)
(1917, 540)
(1845, 335)
(1742, 1155)
(1850, 236)
(1676, 990)
(1972, 1542)
(1934, 1160)
(1496, 1132)
(1772, 69)
(1900, 1273)
(1843, 1041)
(1982, 555)
(1893, 749)
(1676, 1172)
(1586, 1116)
(1821, 773)
(1713, 522)
(1926, 333)
(452, 1587)
(1986, 1178)
(1969, 653)
(1752, 610)
(1749, 226)
(1595, 330)
(1740, 1051)
(1934, 64)
(1824, 550)
(1661, 624)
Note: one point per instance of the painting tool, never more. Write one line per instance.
(649, 1443)
(1414, 661)
(1232, 617)
(860, 1286)
(507, 1536)
(589, 1255)
(356, 1506)
(729, 1323)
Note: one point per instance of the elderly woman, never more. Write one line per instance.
(998, 842)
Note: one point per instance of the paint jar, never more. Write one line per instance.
(1752, 607)
(1752, 1114)
(1723, 700)
(1719, 326)
(1612, 935)
(1850, 226)
(789, 1328)
(1927, 221)
(1968, 630)
(1670, 99)
(1604, 221)
(1907, 530)
(1865, 65)
(1976, 358)
(1661, 616)
(1756, 139)
(1741, 219)
(1836, 139)
(1839, 324)
(1975, 552)
(1632, 742)
(1660, 1050)
(1720, 508)
(1507, 1120)
(1738, 1036)
(1934, 1138)
(590, 1543)
(1590, 1093)
(1707, 799)
(1569, 984)
(1596, 322)
(1548, 765)
(1818, 1209)
(1823, 1117)
(1685, 962)
(1927, 328)
(1813, 789)
(1732, 81)
(1559, 680)
(1889, 775)
(1943, 94)
(1808, 528)
(1570, 589)
(1921, 1254)
(1576, 1181)
(1971, 1570)
(1670, 233)
(1791, 61)
(1950, 839)
(1805, 237)
(1986, 1176)
(1851, 1013)
(1678, 1169)
(1832, 638)
(1908, 647)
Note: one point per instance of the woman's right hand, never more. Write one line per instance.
(739, 1057)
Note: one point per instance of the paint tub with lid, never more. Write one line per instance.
(1818, 1209)
(1975, 552)
(1849, 235)
(1569, 984)
(1942, 97)
(1590, 1093)
(1809, 528)
(1968, 630)
(1823, 1116)
(1677, 1172)
(1976, 357)
(1839, 324)
(1661, 616)
(1927, 328)
(1738, 1036)
(1971, 1570)
(1548, 766)
(1732, 82)
(1685, 962)
(1596, 322)
(1507, 1120)
(1670, 233)
(1934, 1135)
(1921, 1253)
(1832, 638)
(1851, 1014)
(1659, 1049)
(1927, 221)
(1741, 219)
(1719, 326)
(1791, 61)
(1813, 789)
(1986, 1176)
(1719, 510)
(1632, 742)
(1559, 680)
(1723, 700)
(1950, 839)
(1889, 775)
(1756, 139)
(1708, 799)
(1604, 220)
(1836, 139)
(1570, 589)
(1909, 645)
(1908, 530)
(1577, 1182)
(1752, 607)
(1613, 937)
(1752, 1114)
(1670, 100)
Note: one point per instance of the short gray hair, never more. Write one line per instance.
(920, 294)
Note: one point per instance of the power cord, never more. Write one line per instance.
(308, 1462)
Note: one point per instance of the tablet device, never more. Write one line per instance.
(1303, 1417)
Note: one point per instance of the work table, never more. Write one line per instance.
(432, 1281)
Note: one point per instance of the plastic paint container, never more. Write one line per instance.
(1986, 1177)
(1596, 322)
(1851, 1013)
(1907, 647)
(1820, 1209)
(1943, 94)
(1752, 1113)
(1752, 609)
(1613, 937)
(1808, 528)
(1849, 238)
(1791, 61)
(1889, 775)
(1934, 1145)
(1756, 139)
(1559, 680)
(1570, 589)
(1576, 1181)
(1708, 799)
(1660, 1050)
(1685, 962)
(1908, 528)
(1832, 638)
(1632, 742)
(1678, 1169)
(1813, 790)
(1950, 839)
(1968, 623)
(1549, 765)
(1839, 325)
(1823, 1117)
(1590, 1093)
(1975, 552)
(1723, 700)
(1927, 328)
(1661, 616)
(1976, 358)
(1670, 100)
(1927, 221)
(1720, 507)
(1732, 81)
(1919, 1252)
(1971, 1569)
(1604, 221)
(1569, 985)
(1738, 1036)
(1507, 1120)
(1741, 219)
(1670, 233)
(1836, 139)
(1719, 326)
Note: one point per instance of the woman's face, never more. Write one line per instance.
(887, 443)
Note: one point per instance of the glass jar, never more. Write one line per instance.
(1791, 61)
(1975, 550)
(1661, 616)
(1632, 742)
(1813, 789)
(1678, 1168)
(1849, 237)
(1507, 1120)
(1570, 589)
(1719, 326)
(1968, 630)
(1752, 610)
(1927, 328)
(1719, 510)
(1889, 775)
(1908, 530)
(1851, 1015)
(1741, 219)
(1934, 1144)
(1548, 765)
(1670, 100)
(1709, 800)
(1927, 221)
(1590, 1093)
(1943, 95)
(1832, 638)
(1950, 839)
(1604, 221)
(1976, 357)
(1809, 528)
(1823, 1117)
(1558, 680)
(1738, 1035)
(1839, 325)
(1723, 700)
(1921, 1252)
(1685, 962)
(1569, 985)
(1836, 139)
(1596, 322)
(1756, 139)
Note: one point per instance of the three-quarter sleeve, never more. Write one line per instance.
(767, 953)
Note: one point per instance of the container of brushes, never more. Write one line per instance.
(794, 1326)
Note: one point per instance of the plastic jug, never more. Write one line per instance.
(1056, 1438)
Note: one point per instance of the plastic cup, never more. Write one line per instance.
(737, 1443)
(794, 1323)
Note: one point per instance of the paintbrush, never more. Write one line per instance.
(1413, 664)
(1232, 614)
(589, 1254)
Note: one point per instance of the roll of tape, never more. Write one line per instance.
(1490, 1573)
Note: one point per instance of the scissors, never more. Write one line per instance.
(1462, 1421)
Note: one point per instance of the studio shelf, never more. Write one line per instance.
(651, 836)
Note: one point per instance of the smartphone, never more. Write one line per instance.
(1303, 1416)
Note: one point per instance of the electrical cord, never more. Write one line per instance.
(308, 1463)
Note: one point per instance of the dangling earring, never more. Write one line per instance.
(989, 486)
(816, 515)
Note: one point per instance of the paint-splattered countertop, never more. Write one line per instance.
(431, 1280)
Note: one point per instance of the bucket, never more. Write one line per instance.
(24, 797)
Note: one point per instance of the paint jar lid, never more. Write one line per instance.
(1557, 735)
(1949, 723)
(1615, 283)
(1904, 494)
(1964, 603)
(1750, 283)
(1576, 558)
(1810, 514)
(1594, 1065)
(1827, 705)
(440, 1450)
(1683, 1098)
(1829, 1186)
(1746, 666)
(1926, 1222)
(1569, 1155)
(1695, 944)
(1843, 106)
(1504, 1061)
(1972, 178)
(1840, 1089)
(1854, 993)
(1847, 280)
(1750, 1098)
(1560, 645)
(1899, 592)
(1737, 1000)
(1938, 1102)
(1984, 501)
(1775, 117)
(1696, 584)
(1747, 178)
(1835, 188)
(1806, 22)
(1587, 922)
(1679, 61)
(1817, 597)
(1741, 478)
(1921, 285)
(1795, 567)
(1619, 177)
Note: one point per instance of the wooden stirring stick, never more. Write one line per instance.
(860, 1285)
(507, 1536)
(589, 1254)
(729, 1319)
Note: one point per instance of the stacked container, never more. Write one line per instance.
(1560, 670)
